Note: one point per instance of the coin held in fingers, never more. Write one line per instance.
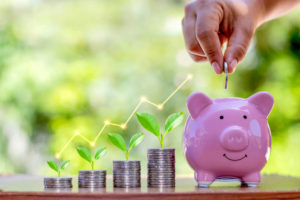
(226, 74)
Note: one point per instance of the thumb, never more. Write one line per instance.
(237, 47)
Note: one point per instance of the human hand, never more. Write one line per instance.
(208, 24)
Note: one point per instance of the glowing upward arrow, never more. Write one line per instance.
(124, 124)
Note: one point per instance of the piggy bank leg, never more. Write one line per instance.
(251, 180)
(204, 178)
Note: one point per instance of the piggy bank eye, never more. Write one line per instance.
(245, 116)
(221, 117)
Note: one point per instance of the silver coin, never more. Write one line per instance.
(161, 150)
(92, 172)
(131, 190)
(168, 158)
(161, 170)
(161, 160)
(226, 74)
(155, 181)
(126, 179)
(88, 190)
(129, 162)
(162, 186)
(161, 175)
(127, 184)
(162, 157)
(161, 166)
(161, 183)
(58, 190)
(127, 172)
(162, 179)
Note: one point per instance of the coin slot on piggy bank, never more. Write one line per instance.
(228, 138)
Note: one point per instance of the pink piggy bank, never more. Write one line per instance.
(228, 138)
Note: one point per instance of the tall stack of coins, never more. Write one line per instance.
(161, 168)
(56, 182)
(127, 174)
(92, 179)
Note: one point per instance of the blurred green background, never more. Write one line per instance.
(68, 65)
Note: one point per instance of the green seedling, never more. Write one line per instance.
(119, 142)
(86, 155)
(53, 165)
(150, 123)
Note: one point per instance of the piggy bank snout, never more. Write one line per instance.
(234, 139)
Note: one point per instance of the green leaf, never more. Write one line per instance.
(173, 121)
(100, 152)
(117, 140)
(149, 122)
(84, 153)
(53, 165)
(136, 140)
(65, 164)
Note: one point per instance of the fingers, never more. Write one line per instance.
(200, 58)
(197, 58)
(207, 36)
(237, 47)
(188, 24)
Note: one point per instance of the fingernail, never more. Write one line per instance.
(216, 67)
(233, 64)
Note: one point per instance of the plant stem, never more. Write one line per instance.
(162, 137)
(127, 154)
(92, 164)
(58, 173)
(160, 142)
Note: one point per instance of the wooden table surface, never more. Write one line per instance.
(272, 187)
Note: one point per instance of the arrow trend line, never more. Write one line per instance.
(124, 125)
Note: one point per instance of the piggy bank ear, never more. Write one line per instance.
(263, 101)
(196, 102)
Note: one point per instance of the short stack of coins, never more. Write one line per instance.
(127, 174)
(92, 179)
(56, 182)
(161, 168)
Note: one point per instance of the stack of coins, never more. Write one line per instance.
(161, 168)
(53, 182)
(127, 174)
(92, 179)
